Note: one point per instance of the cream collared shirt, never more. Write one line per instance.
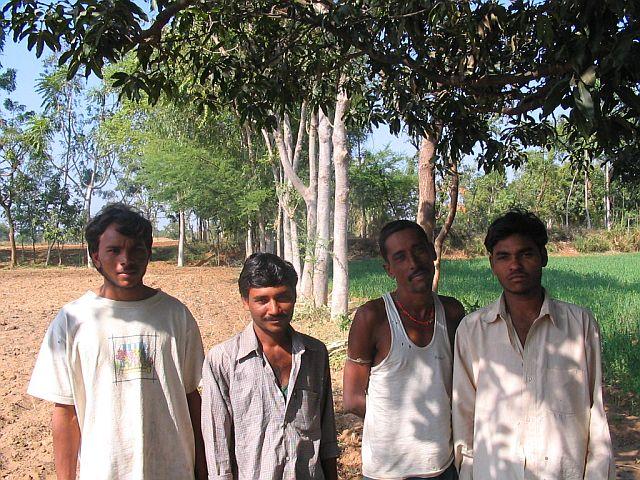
(532, 411)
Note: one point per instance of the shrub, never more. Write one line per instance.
(592, 243)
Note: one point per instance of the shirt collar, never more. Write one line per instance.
(499, 309)
(249, 343)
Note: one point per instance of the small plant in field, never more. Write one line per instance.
(470, 305)
(344, 322)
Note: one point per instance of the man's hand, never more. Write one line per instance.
(195, 405)
(66, 440)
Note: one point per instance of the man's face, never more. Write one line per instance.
(121, 260)
(409, 261)
(271, 308)
(517, 263)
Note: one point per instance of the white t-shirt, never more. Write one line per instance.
(127, 367)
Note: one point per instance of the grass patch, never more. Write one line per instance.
(607, 284)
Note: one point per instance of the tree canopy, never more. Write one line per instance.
(438, 64)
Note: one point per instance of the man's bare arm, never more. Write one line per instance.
(360, 356)
(195, 406)
(66, 440)
(454, 312)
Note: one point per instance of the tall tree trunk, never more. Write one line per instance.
(295, 246)
(48, 256)
(321, 274)
(444, 231)
(286, 231)
(607, 196)
(311, 200)
(566, 207)
(249, 241)
(13, 262)
(181, 235)
(586, 199)
(427, 185)
(279, 218)
(262, 234)
(88, 196)
(340, 291)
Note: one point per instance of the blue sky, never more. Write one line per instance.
(29, 68)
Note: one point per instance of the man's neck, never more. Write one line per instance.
(274, 341)
(111, 292)
(417, 302)
(524, 308)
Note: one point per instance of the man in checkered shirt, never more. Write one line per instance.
(267, 408)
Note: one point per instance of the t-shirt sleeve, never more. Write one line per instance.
(51, 377)
(194, 355)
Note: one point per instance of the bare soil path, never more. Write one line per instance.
(30, 298)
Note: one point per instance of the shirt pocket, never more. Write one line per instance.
(307, 420)
(249, 414)
(563, 390)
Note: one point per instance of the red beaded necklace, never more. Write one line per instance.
(425, 323)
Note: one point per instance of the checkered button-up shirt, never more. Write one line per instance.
(251, 430)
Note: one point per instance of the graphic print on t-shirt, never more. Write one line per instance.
(134, 357)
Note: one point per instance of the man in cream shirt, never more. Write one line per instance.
(527, 381)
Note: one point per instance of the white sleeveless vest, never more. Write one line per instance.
(407, 424)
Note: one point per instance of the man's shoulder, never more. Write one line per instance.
(571, 312)
(312, 343)
(453, 308)
(372, 312)
(221, 353)
(480, 317)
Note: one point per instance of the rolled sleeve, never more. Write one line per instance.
(328, 443)
(193, 355)
(217, 422)
(600, 463)
(51, 379)
(463, 405)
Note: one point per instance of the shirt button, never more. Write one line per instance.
(529, 379)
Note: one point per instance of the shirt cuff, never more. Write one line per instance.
(329, 450)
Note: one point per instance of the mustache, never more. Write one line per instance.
(418, 272)
(272, 318)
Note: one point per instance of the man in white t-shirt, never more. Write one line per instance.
(122, 365)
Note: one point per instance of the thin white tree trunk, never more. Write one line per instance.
(87, 206)
(340, 291)
(586, 199)
(312, 210)
(321, 273)
(286, 230)
(262, 234)
(181, 235)
(249, 241)
(295, 246)
(607, 196)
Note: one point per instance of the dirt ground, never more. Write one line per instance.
(30, 298)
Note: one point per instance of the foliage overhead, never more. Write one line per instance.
(439, 65)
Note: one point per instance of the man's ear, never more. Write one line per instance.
(545, 256)
(245, 302)
(96, 260)
(491, 263)
(385, 265)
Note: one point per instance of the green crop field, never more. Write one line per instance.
(607, 284)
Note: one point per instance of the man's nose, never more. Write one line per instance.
(273, 308)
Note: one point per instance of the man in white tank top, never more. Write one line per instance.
(398, 373)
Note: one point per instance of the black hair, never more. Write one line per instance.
(129, 223)
(517, 222)
(397, 226)
(266, 270)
